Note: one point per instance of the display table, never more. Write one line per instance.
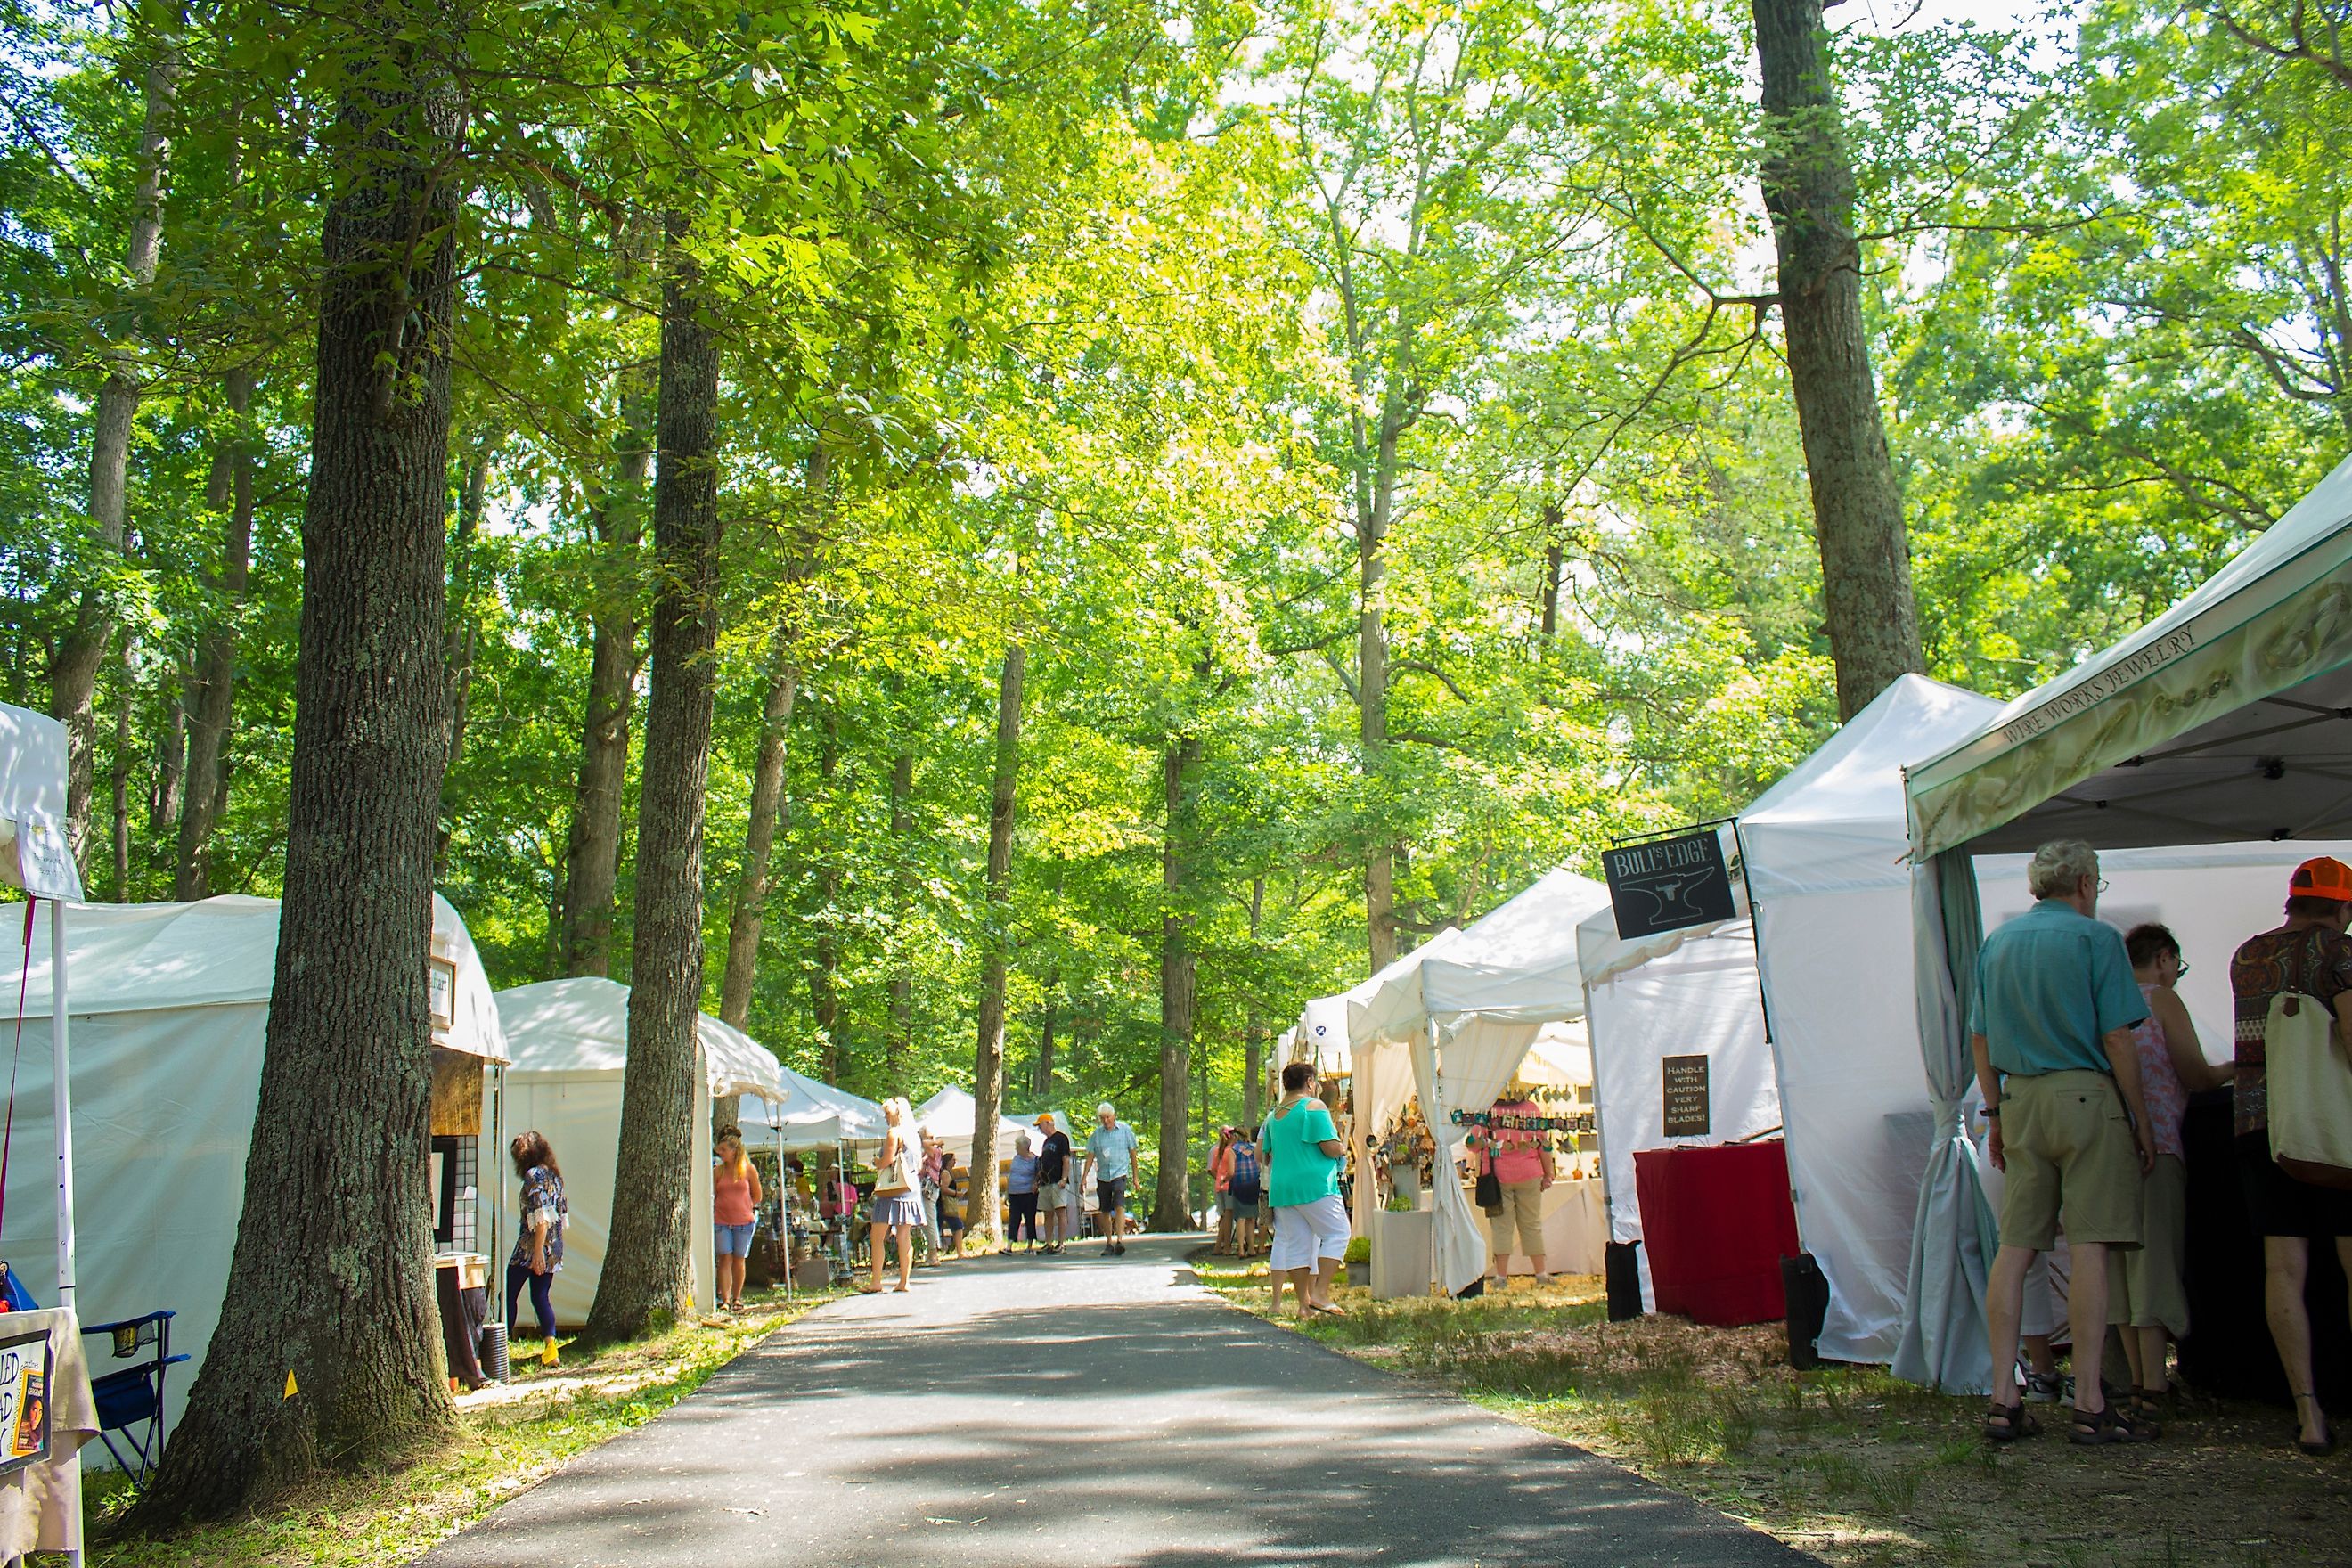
(1404, 1257)
(40, 1505)
(461, 1289)
(1716, 1223)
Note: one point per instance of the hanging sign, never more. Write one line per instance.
(1686, 1097)
(441, 992)
(1666, 884)
(24, 1400)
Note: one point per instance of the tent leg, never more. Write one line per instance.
(61, 1102)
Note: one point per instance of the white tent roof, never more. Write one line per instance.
(1562, 1057)
(1519, 965)
(1323, 1028)
(33, 852)
(2213, 723)
(137, 958)
(812, 1114)
(950, 1115)
(581, 1028)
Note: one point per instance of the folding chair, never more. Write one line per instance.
(130, 1400)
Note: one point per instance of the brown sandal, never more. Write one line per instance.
(2017, 1422)
(2093, 1429)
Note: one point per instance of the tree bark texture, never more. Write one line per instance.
(1372, 681)
(73, 677)
(645, 1282)
(332, 1357)
(164, 799)
(229, 492)
(1170, 1201)
(462, 633)
(592, 849)
(1553, 562)
(825, 990)
(1808, 188)
(988, 1059)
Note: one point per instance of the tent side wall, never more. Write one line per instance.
(1838, 970)
(1699, 1000)
(580, 1114)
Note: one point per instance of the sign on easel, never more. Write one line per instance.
(1686, 1097)
(1667, 884)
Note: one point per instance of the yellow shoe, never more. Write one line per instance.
(547, 1354)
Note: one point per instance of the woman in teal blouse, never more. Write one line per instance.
(1303, 1152)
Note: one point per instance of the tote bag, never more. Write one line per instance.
(2310, 1083)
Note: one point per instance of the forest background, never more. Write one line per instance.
(1297, 472)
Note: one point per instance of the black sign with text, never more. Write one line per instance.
(1666, 884)
(1686, 1097)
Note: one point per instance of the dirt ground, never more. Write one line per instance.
(1849, 1463)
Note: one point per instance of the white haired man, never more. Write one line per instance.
(1110, 1165)
(2051, 1011)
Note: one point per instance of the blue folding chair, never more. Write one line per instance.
(130, 1402)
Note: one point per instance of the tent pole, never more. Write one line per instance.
(61, 1107)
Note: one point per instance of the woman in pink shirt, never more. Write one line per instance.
(1520, 1161)
(735, 1205)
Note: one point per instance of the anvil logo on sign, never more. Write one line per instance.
(1668, 883)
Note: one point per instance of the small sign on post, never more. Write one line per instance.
(1686, 1097)
(1666, 884)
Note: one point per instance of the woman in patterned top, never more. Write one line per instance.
(2309, 956)
(539, 1249)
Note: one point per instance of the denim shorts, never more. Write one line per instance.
(735, 1240)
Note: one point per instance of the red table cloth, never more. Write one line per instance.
(1716, 1223)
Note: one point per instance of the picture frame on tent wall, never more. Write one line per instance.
(441, 992)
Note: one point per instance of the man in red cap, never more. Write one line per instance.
(2307, 956)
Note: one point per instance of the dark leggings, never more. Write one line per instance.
(540, 1284)
(1025, 1212)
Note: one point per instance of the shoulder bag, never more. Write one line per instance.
(2310, 1092)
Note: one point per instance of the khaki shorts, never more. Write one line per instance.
(1523, 1212)
(2144, 1287)
(2068, 1142)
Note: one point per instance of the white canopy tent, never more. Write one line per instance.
(170, 1011)
(1466, 1014)
(813, 1115)
(951, 1116)
(569, 1039)
(2216, 725)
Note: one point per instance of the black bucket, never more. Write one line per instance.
(494, 1351)
(1623, 1260)
(1808, 1292)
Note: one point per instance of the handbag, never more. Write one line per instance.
(1490, 1193)
(2310, 1084)
(890, 1181)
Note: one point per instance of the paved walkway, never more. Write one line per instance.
(1075, 1410)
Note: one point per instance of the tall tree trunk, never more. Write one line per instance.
(899, 1049)
(332, 1357)
(592, 852)
(462, 635)
(1873, 627)
(769, 806)
(1171, 1207)
(645, 1280)
(229, 492)
(996, 937)
(73, 677)
(1254, 1028)
(163, 802)
(1372, 676)
(1553, 562)
(124, 698)
(745, 919)
(825, 989)
(1042, 1085)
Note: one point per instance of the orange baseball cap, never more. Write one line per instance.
(2324, 878)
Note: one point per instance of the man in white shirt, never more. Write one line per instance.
(1110, 1165)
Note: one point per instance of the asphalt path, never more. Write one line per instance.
(1082, 1410)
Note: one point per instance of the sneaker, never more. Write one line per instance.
(1118, 1249)
(2046, 1388)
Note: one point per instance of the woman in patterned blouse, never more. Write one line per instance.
(539, 1249)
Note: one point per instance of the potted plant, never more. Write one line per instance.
(1359, 1259)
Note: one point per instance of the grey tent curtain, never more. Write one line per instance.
(1952, 1237)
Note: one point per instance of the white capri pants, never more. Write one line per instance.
(1306, 1234)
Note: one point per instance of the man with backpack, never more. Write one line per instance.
(1244, 1188)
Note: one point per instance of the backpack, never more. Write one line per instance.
(1245, 1183)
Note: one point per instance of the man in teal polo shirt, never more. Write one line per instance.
(2051, 1011)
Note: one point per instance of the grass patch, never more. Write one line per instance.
(1848, 1463)
(502, 1447)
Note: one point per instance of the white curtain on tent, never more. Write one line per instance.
(1479, 1056)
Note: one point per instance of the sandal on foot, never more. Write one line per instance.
(2092, 1428)
(2013, 1423)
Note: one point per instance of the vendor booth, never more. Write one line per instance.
(1464, 1016)
(170, 1011)
(2220, 725)
(812, 1115)
(570, 1040)
(950, 1117)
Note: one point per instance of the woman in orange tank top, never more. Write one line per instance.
(735, 1195)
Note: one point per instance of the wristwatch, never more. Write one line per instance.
(1992, 1112)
